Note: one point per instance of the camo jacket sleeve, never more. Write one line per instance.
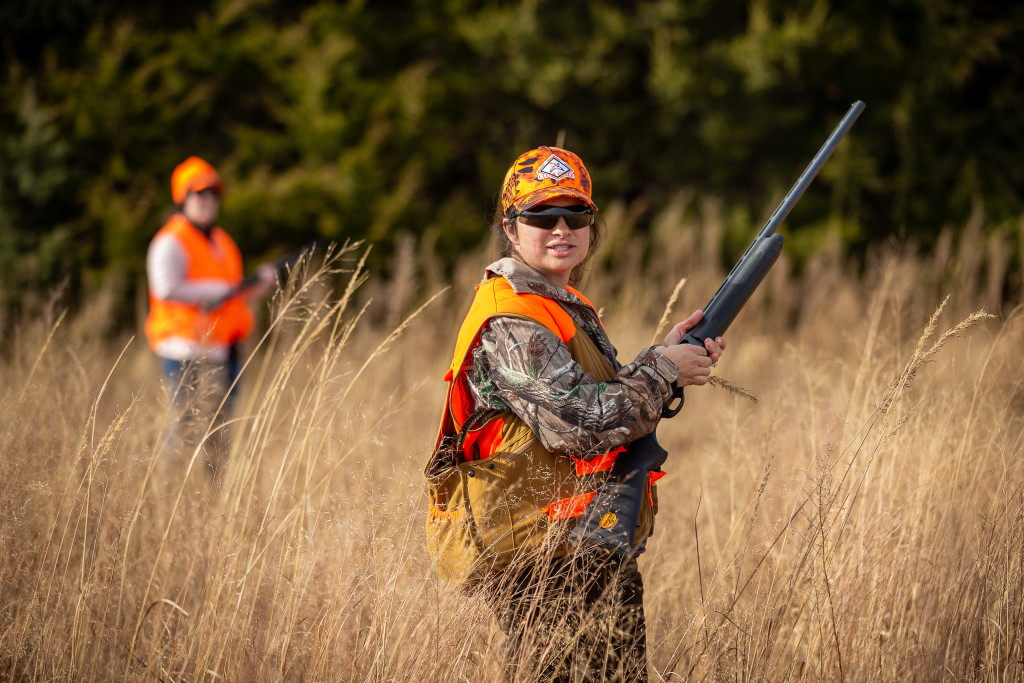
(523, 367)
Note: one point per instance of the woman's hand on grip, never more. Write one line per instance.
(694, 362)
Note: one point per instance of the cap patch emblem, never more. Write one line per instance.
(554, 168)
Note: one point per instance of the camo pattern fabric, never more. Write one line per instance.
(543, 173)
(575, 619)
(522, 367)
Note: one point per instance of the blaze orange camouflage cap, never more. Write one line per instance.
(194, 175)
(544, 173)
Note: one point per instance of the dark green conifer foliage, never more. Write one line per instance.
(374, 119)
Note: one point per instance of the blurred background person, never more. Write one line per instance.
(198, 315)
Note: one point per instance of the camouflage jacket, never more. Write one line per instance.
(522, 367)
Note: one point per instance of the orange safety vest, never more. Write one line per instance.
(217, 258)
(502, 497)
(495, 297)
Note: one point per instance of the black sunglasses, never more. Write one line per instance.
(576, 217)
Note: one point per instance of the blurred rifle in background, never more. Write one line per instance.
(280, 266)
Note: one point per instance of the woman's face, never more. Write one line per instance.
(553, 253)
(202, 208)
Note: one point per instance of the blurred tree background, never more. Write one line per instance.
(374, 120)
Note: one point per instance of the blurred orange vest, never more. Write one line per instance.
(213, 258)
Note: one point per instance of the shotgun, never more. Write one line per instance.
(613, 514)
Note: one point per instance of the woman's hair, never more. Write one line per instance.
(506, 248)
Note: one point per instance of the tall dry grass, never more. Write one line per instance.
(864, 520)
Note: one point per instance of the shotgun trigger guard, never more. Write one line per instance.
(671, 409)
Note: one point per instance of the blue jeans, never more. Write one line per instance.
(196, 389)
(183, 375)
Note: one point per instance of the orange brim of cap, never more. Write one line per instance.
(537, 196)
(204, 181)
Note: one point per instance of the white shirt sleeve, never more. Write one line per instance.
(167, 271)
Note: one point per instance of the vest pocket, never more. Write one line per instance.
(505, 521)
(449, 534)
(487, 514)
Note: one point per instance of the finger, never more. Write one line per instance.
(699, 363)
(695, 318)
(675, 335)
(714, 351)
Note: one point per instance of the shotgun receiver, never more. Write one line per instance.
(612, 516)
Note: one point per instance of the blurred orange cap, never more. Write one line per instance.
(544, 173)
(194, 175)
